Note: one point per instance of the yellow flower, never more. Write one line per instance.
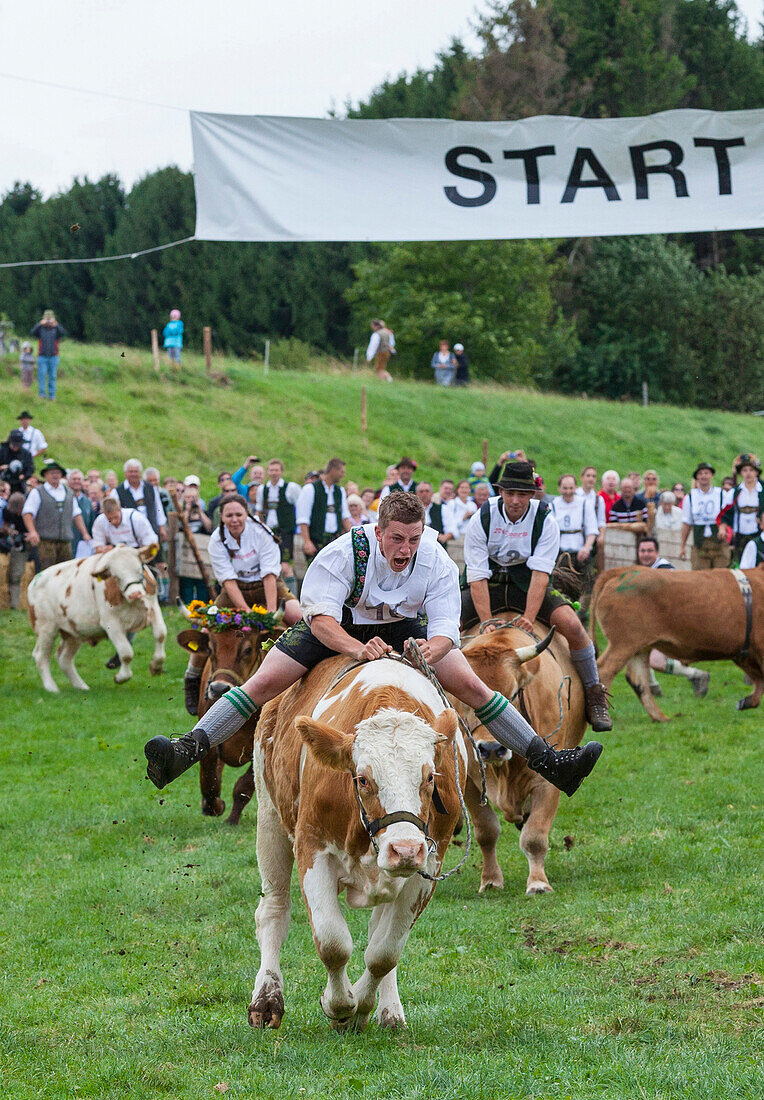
(259, 610)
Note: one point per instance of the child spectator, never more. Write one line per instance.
(172, 334)
(26, 364)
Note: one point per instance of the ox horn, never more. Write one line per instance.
(279, 615)
(182, 608)
(528, 652)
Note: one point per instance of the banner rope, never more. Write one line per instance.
(99, 259)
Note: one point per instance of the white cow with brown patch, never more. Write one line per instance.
(330, 751)
(106, 596)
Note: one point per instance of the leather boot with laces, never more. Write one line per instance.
(565, 769)
(167, 759)
(597, 714)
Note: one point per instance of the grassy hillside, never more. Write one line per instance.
(113, 405)
(128, 938)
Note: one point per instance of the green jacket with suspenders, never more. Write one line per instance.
(317, 525)
(285, 512)
(436, 518)
(520, 574)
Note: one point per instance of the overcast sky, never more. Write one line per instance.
(296, 57)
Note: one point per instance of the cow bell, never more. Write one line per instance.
(528, 652)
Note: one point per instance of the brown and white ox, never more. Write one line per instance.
(232, 657)
(379, 737)
(692, 616)
(539, 686)
(106, 596)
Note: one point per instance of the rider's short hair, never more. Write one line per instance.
(400, 508)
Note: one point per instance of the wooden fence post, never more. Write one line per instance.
(207, 341)
(155, 347)
(267, 358)
(485, 453)
(355, 358)
(363, 409)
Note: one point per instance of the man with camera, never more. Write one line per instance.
(16, 463)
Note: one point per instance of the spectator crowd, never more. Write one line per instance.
(50, 513)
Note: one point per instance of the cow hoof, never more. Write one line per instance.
(155, 668)
(214, 808)
(55, 690)
(267, 1011)
(392, 1021)
(745, 704)
(538, 888)
(121, 679)
(491, 884)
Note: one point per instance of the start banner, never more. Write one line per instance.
(261, 178)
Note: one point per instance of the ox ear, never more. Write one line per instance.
(194, 641)
(330, 746)
(146, 553)
(446, 724)
(101, 566)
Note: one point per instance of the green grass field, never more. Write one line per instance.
(129, 954)
(112, 405)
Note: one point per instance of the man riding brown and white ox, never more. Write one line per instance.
(542, 677)
(363, 595)
(109, 595)
(351, 765)
(704, 615)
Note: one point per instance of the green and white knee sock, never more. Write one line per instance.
(506, 724)
(227, 716)
(676, 668)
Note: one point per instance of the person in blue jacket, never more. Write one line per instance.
(173, 336)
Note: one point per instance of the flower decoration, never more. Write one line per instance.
(211, 617)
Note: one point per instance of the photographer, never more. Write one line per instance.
(16, 463)
(192, 507)
(13, 547)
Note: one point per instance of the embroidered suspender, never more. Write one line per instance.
(360, 545)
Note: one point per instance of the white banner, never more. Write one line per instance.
(303, 179)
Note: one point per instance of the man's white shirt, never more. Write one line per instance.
(747, 523)
(138, 495)
(509, 543)
(34, 440)
(257, 555)
(407, 488)
(576, 520)
(430, 584)
(597, 503)
(703, 508)
(139, 532)
(274, 491)
(748, 559)
(33, 501)
(373, 347)
(304, 507)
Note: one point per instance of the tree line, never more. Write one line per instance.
(683, 313)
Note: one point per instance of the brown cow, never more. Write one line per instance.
(374, 742)
(692, 616)
(233, 656)
(546, 684)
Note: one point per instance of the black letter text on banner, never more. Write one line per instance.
(583, 157)
(530, 158)
(456, 169)
(671, 168)
(720, 147)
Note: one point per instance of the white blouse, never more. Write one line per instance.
(257, 555)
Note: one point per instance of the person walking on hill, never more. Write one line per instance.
(172, 335)
(381, 347)
(444, 364)
(48, 332)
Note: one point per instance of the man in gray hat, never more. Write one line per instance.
(510, 549)
(49, 513)
(700, 508)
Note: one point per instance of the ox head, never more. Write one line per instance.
(233, 657)
(124, 575)
(393, 758)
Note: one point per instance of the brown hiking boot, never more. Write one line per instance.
(597, 714)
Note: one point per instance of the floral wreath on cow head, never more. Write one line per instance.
(208, 616)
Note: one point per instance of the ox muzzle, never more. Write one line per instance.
(400, 855)
(491, 752)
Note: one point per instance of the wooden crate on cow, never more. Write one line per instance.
(185, 562)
